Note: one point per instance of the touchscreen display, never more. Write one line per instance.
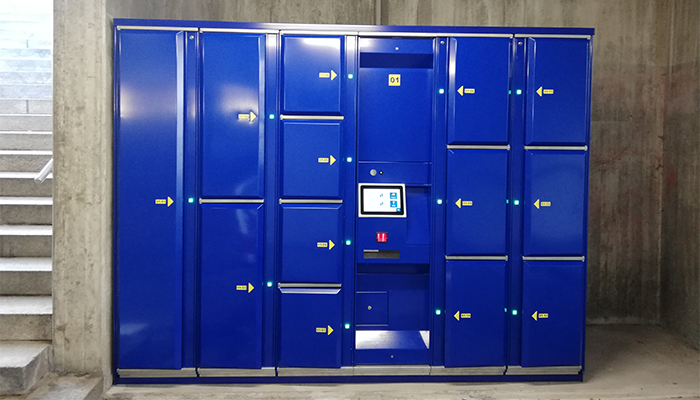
(382, 200)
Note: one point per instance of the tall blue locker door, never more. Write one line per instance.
(232, 160)
(475, 323)
(231, 281)
(553, 313)
(148, 214)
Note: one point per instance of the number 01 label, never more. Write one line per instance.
(394, 79)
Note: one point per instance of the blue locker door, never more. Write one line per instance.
(476, 196)
(311, 165)
(312, 247)
(232, 127)
(558, 92)
(553, 313)
(479, 80)
(231, 286)
(395, 100)
(310, 328)
(554, 218)
(149, 140)
(312, 74)
(475, 323)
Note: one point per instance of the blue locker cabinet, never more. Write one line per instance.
(553, 313)
(477, 183)
(232, 106)
(311, 160)
(148, 237)
(231, 278)
(479, 83)
(258, 171)
(310, 328)
(475, 324)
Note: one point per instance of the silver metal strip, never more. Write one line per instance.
(342, 371)
(578, 148)
(323, 33)
(494, 35)
(312, 117)
(233, 372)
(393, 370)
(582, 258)
(478, 258)
(239, 30)
(155, 28)
(231, 201)
(468, 371)
(403, 34)
(565, 370)
(309, 290)
(309, 285)
(157, 373)
(311, 201)
(525, 35)
(476, 147)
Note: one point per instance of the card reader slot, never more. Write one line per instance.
(384, 254)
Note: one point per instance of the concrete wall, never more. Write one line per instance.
(680, 240)
(630, 63)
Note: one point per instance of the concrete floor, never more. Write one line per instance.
(623, 362)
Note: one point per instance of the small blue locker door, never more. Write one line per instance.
(475, 323)
(476, 209)
(310, 160)
(558, 91)
(395, 116)
(554, 218)
(232, 102)
(312, 248)
(478, 92)
(310, 330)
(553, 313)
(231, 286)
(312, 71)
(148, 238)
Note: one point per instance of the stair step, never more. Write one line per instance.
(27, 26)
(26, 122)
(24, 160)
(25, 276)
(26, 16)
(26, 210)
(26, 91)
(21, 54)
(68, 387)
(25, 77)
(25, 317)
(25, 65)
(24, 43)
(25, 241)
(25, 106)
(22, 184)
(22, 365)
(26, 141)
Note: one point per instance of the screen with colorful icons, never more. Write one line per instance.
(384, 200)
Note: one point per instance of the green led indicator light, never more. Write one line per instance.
(438, 312)
(350, 76)
(269, 284)
(509, 92)
(516, 202)
(272, 116)
(518, 91)
(507, 201)
(439, 201)
(190, 200)
(348, 242)
(349, 159)
(505, 309)
(441, 91)
(515, 312)
(347, 326)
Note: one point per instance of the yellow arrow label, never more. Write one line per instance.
(167, 201)
(545, 91)
(245, 288)
(330, 330)
(464, 203)
(459, 203)
(537, 315)
(248, 116)
(327, 160)
(250, 288)
(329, 244)
(320, 330)
(458, 315)
(331, 75)
(539, 204)
(462, 90)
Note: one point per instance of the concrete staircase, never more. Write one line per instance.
(25, 207)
